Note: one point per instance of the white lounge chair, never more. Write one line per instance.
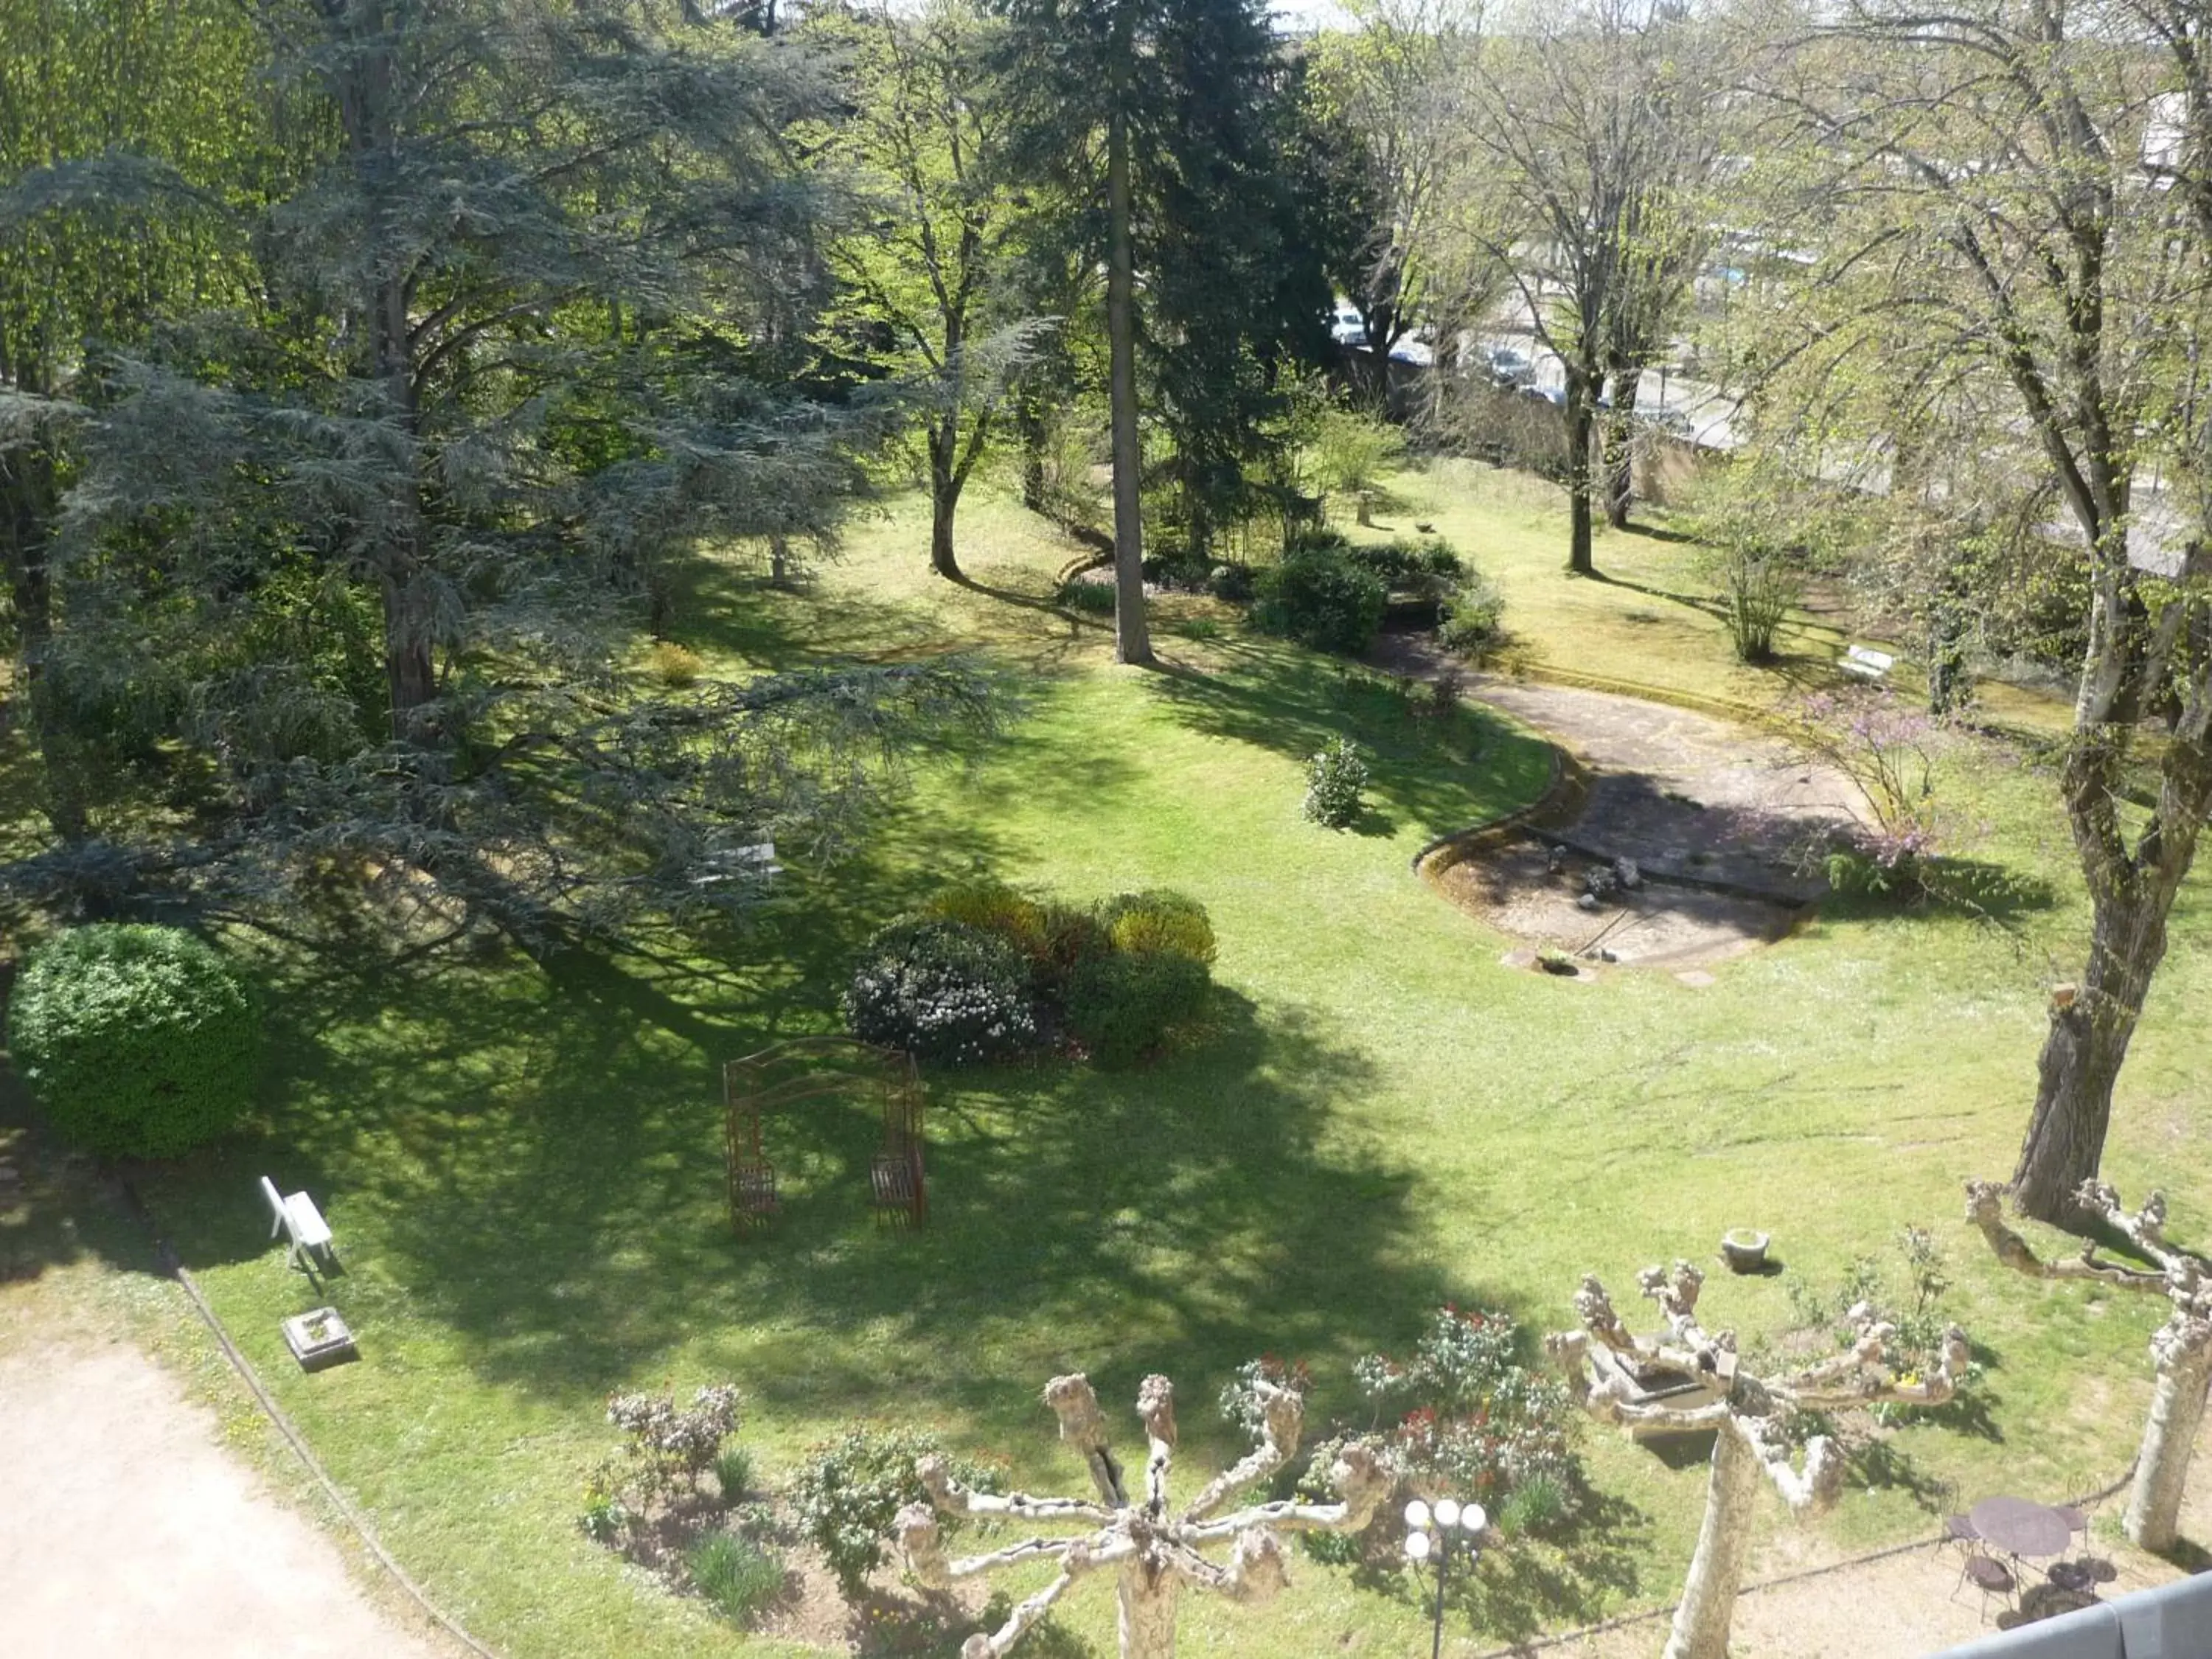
(1867, 663)
(299, 1220)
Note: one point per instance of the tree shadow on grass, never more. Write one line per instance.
(1437, 773)
(534, 1170)
(1571, 1571)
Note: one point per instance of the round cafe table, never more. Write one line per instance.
(2021, 1528)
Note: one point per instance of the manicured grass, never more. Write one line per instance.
(524, 1172)
(1651, 616)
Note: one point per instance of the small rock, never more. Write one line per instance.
(1586, 902)
(1630, 875)
(1606, 956)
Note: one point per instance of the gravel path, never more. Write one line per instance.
(130, 1533)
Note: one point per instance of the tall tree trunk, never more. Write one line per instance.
(410, 674)
(1621, 445)
(2184, 1351)
(1580, 394)
(2131, 895)
(1132, 642)
(1708, 1604)
(1029, 417)
(30, 498)
(1146, 1594)
(944, 482)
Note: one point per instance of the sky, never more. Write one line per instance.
(1297, 16)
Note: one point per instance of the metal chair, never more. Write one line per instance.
(1991, 1576)
(1958, 1532)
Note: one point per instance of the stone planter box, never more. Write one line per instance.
(1744, 1249)
(320, 1338)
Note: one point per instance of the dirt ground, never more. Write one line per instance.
(1721, 821)
(1661, 923)
(131, 1533)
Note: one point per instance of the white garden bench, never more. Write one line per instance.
(297, 1217)
(1867, 663)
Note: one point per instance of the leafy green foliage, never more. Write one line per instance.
(942, 991)
(1119, 977)
(1336, 780)
(1232, 583)
(1233, 287)
(1477, 1417)
(1322, 598)
(1475, 615)
(1351, 450)
(1123, 1006)
(1052, 935)
(140, 1041)
(735, 1574)
(848, 1492)
(1093, 599)
(355, 573)
(1160, 920)
(733, 1474)
(924, 262)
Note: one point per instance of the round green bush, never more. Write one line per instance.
(942, 990)
(140, 1041)
(1336, 778)
(1159, 920)
(848, 1492)
(1122, 1007)
(1320, 598)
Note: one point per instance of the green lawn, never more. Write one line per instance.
(524, 1172)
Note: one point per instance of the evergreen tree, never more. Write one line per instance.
(350, 572)
(1164, 122)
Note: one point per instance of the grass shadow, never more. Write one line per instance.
(1422, 767)
(531, 1167)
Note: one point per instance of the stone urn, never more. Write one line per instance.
(1744, 1249)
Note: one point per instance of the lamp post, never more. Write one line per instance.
(1435, 1533)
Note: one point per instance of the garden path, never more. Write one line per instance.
(1724, 817)
(133, 1531)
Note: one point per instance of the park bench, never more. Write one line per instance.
(1866, 663)
(298, 1220)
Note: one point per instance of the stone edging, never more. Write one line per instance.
(1568, 782)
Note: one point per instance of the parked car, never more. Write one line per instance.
(1348, 327)
(1510, 368)
(1671, 422)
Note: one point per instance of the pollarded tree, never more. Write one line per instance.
(924, 144)
(1154, 1551)
(1751, 1419)
(2181, 1348)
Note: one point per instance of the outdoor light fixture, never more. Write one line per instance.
(1435, 1533)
